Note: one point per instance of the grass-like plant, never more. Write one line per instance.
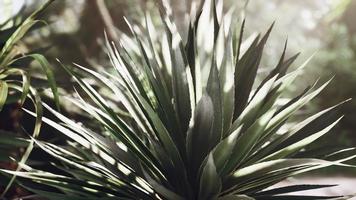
(185, 119)
(14, 63)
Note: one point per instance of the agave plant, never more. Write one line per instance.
(182, 118)
(14, 63)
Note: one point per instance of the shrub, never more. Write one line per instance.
(183, 120)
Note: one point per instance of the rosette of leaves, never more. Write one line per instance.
(185, 119)
(15, 86)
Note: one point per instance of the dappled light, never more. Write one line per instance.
(177, 100)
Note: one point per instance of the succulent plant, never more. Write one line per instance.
(183, 118)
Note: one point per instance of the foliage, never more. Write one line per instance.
(185, 120)
(13, 64)
(338, 57)
(325, 27)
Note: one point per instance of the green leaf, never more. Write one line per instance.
(200, 134)
(206, 20)
(162, 101)
(214, 91)
(237, 49)
(210, 183)
(254, 106)
(304, 132)
(224, 57)
(5, 54)
(36, 131)
(281, 67)
(180, 83)
(313, 125)
(288, 111)
(168, 145)
(166, 193)
(222, 152)
(3, 93)
(245, 72)
(236, 197)
(49, 73)
(291, 188)
(117, 127)
(306, 197)
(247, 141)
(265, 174)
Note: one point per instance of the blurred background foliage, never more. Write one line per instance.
(75, 33)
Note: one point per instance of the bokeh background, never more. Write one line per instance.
(75, 33)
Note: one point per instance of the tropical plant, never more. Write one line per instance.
(184, 119)
(14, 63)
